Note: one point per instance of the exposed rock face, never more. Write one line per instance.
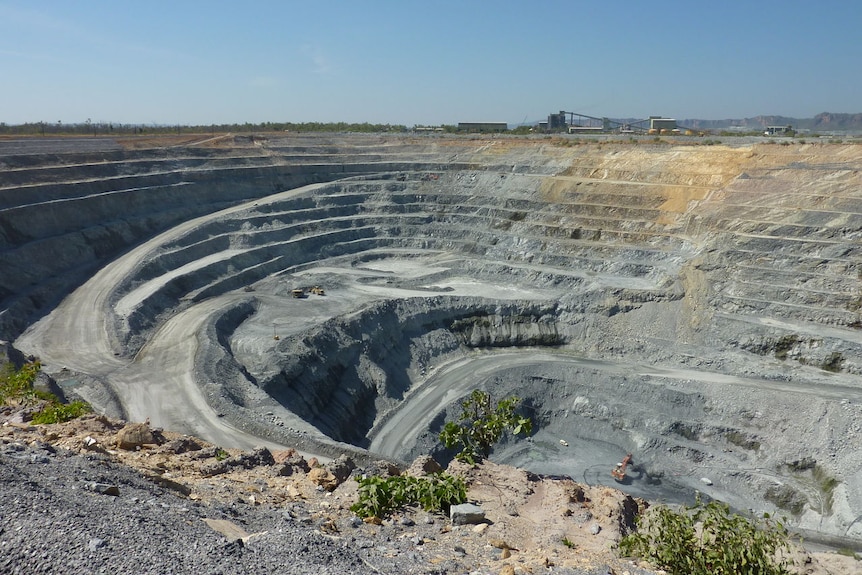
(508, 330)
(674, 301)
(342, 393)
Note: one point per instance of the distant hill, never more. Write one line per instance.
(824, 122)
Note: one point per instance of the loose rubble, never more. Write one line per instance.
(158, 508)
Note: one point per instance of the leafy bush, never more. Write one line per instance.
(380, 496)
(16, 386)
(709, 540)
(480, 426)
(60, 412)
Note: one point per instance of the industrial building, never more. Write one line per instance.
(575, 123)
(659, 124)
(482, 126)
(778, 131)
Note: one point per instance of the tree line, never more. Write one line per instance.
(92, 128)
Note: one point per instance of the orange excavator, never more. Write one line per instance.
(619, 472)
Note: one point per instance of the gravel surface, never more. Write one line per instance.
(67, 513)
(55, 520)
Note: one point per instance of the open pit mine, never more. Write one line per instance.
(695, 306)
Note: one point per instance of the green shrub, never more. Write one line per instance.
(826, 485)
(741, 440)
(833, 363)
(61, 412)
(16, 386)
(481, 425)
(709, 540)
(380, 496)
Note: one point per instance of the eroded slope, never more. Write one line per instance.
(696, 306)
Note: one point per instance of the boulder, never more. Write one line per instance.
(383, 468)
(214, 468)
(46, 384)
(9, 354)
(466, 514)
(423, 465)
(257, 457)
(297, 462)
(134, 435)
(182, 445)
(341, 468)
(323, 477)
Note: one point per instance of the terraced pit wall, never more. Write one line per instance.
(697, 306)
(62, 216)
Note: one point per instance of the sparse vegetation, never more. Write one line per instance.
(833, 363)
(56, 412)
(786, 498)
(684, 430)
(16, 388)
(826, 485)
(16, 385)
(380, 496)
(784, 345)
(709, 539)
(480, 426)
(742, 440)
(818, 481)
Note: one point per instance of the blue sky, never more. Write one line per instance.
(429, 62)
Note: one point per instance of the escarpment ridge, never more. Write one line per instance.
(696, 306)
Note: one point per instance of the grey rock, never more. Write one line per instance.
(424, 465)
(466, 513)
(341, 467)
(103, 488)
(293, 464)
(215, 468)
(182, 445)
(135, 435)
(383, 468)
